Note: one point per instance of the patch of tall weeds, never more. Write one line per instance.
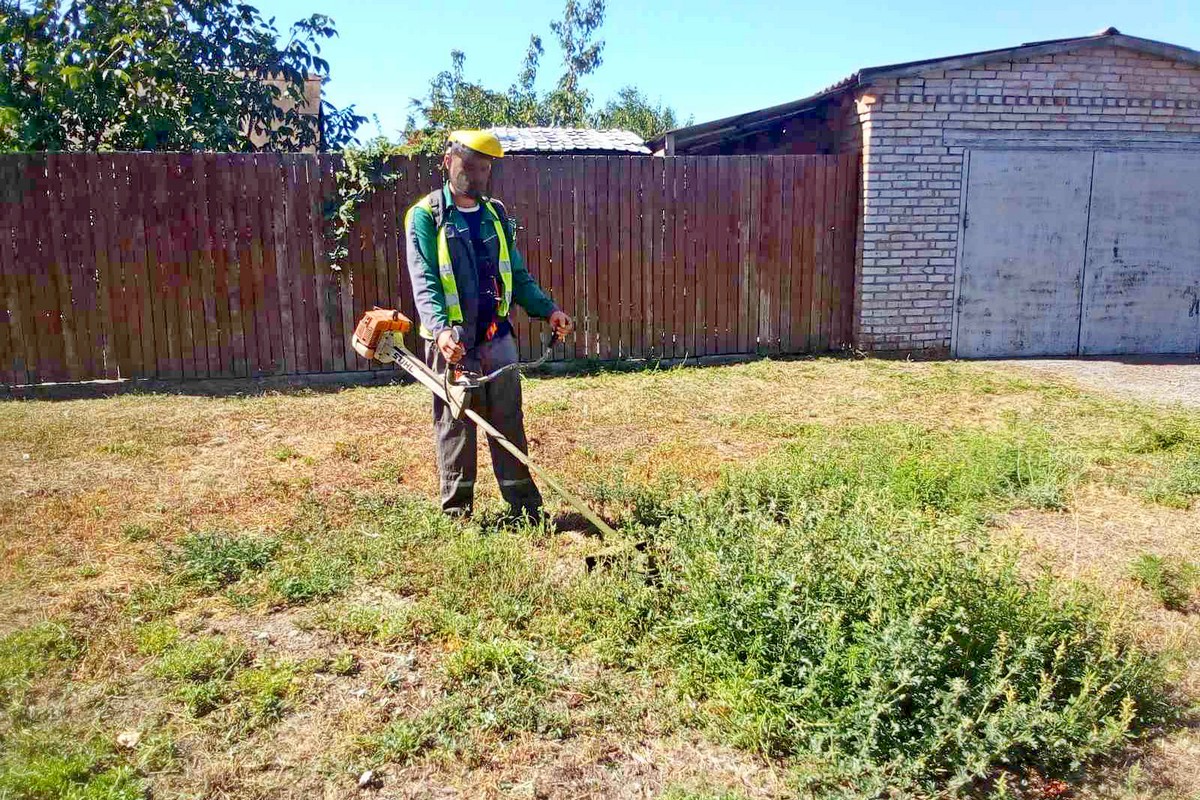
(839, 605)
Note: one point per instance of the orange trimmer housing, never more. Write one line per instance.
(373, 325)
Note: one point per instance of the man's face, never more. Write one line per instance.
(469, 172)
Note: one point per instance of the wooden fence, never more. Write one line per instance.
(186, 266)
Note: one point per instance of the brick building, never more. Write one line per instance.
(1036, 200)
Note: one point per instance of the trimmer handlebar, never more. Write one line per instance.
(471, 379)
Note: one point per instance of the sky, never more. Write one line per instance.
(703, 58)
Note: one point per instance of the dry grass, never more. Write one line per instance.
(95, 491)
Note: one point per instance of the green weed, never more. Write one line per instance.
(136, 533)
(365, 624)
(284, 453)
(389, 470)
(36, 765)
(263, 691)
(310, 575)
(215, 560)
(156, 637)
(1170, 581)
(839, 605)
(1171, 433)
(126, 449)
(679, 793)
(201, 671)
(402, 740)
(1179, 486)
(150, 601)
(350, 451)
(30, 653)
(500, 688)
(344, 663)
(501, 659)
(212, 673)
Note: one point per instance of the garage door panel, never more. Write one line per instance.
(1142, 279)
(1023, 247)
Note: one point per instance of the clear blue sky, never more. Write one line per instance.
(707, 59)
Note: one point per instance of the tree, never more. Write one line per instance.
(568, 103)
(632, 111)
(159, 75)
(455, 102)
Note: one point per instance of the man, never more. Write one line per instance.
(466, 274)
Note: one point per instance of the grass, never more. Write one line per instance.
(216, 560)
(838, 608)
(497, 689)
(1171, 582)
(284, 453)
(201, 672)
(208, 674)
(31, 653)
(39, 767)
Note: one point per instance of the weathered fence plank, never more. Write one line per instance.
(195, 266)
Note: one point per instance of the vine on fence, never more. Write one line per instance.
(364, 171)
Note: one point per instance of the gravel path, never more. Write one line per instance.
(1167, 379)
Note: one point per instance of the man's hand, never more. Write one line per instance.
(451, 350)
(561, 323)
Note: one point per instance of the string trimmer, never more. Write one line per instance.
(380, 337)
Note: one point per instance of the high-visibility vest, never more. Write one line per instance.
(446, 268)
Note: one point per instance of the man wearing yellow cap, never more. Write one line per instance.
(466, 274)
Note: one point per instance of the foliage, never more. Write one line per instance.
(500, 689)
(36, 765)
(632, 111)
(29, 653)
(1171, 582)
(159, 75)
(837, 606)
(454, 102)
(215, 560)
(1171, 448)
(364, 170)
(567, 105)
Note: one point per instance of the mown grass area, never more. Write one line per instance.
(867, 579)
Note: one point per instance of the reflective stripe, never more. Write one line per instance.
(446, 267)
(449, 285)
(517, 482)
(505, 264)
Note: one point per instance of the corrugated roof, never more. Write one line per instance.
(566, 140)
(739, 124)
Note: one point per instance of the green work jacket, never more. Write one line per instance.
(422, 234)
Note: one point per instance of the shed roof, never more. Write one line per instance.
(744, 124)
(566, 140)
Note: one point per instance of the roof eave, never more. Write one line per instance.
(865, 77)
(1032, 50)
(758, 117)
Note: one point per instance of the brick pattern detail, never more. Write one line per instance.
(912, 181)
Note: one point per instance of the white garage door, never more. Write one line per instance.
(1068, 252)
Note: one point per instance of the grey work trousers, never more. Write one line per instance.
(499, 402)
